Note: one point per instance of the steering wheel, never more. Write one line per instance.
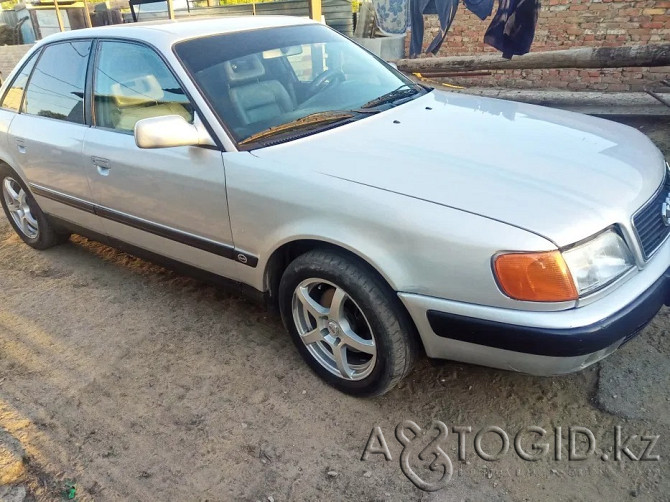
(325, 79)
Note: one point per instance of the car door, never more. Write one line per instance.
(11, 104)
(46, 138)
(170, 201)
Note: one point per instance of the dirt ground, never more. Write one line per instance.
(135, 383)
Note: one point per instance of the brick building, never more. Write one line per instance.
(563, 24)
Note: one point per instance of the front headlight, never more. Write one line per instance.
(598, 262)
(555, 276)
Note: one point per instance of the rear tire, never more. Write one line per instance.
(347, 323)
(24, 215)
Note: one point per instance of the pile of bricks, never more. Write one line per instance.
(563, 24)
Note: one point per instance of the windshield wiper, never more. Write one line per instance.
(311, 120)
(404, 91)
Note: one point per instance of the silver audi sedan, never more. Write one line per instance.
(383, 219)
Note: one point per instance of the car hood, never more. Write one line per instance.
(561, 175)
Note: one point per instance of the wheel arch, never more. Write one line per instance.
(288, 251)
(19, 173)
(283, 255)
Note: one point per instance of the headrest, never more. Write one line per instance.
(138, 91)
(244, 69)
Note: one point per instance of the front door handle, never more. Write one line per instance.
(102, 165)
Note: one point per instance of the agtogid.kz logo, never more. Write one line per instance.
(530, 443)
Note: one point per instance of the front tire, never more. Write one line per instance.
(347, 323)
(23, 213)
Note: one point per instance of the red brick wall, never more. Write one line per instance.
(563, 24)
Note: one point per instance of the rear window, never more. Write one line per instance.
(56, 88)
(14, 95)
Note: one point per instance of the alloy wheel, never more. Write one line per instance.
(334, 329)
(16, 200)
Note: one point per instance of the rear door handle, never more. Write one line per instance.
(21, 145)
(102, 165)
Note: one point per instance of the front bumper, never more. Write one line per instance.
(547, 343)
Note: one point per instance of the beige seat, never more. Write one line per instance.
(141, 98)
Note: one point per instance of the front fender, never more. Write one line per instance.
(417, 246)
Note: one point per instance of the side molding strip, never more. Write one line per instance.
(168, 233)
(68, 200)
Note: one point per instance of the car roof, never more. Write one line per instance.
(180, 29)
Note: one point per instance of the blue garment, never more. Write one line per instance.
(513, 27)
(445, 10)
(481, 8)
(392, 16)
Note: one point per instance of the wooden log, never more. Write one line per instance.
(315, 9)
(582, 57)
(589, 102)
(60, 19)
(450, 74)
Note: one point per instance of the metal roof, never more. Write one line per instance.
(180, 29)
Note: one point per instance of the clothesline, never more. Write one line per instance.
(511, 30)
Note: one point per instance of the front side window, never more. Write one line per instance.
(14, 95)
(131, 83)
(56, 88)
(289, 81)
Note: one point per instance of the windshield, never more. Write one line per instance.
(263, 83)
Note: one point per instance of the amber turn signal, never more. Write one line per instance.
(535, 277)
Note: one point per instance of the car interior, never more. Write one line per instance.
(142, 90)
(260, 90)
(255, 91)
(256, 96)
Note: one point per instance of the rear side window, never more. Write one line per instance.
(12, 99)
(56, 89)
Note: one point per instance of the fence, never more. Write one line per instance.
(337, 13)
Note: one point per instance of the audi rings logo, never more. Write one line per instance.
(665, 211)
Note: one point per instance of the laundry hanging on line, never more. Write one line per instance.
(393, 16)
(446, 11)
(481, 8)
(513, 27)
(511, 31)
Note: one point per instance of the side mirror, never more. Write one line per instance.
(169, 131)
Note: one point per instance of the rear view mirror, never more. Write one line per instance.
(169, 131)
(292, 50)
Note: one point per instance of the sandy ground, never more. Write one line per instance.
(135, 383)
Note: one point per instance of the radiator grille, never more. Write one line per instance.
(649, 225)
